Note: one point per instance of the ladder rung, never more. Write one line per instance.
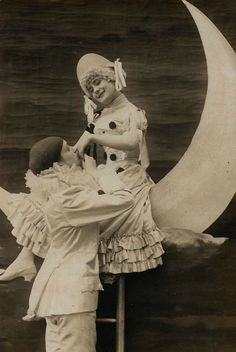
(106, 320)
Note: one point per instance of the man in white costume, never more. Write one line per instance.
(65, 291)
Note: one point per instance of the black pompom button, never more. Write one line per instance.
(100, 191)
(112, 125)
(113, 157)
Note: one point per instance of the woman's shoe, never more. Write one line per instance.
(14, 272)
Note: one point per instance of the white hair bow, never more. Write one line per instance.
(89, 107)
(120, 75)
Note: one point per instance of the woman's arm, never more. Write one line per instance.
(126, 141)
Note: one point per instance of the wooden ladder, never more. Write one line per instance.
(119, 320)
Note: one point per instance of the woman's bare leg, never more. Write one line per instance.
(23, 265)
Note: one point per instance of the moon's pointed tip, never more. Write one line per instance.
(186, 3)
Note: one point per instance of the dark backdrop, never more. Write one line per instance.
(159, 45)
(160, 48)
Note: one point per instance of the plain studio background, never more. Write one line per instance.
(162, 54)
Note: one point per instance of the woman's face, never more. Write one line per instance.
(102, 91)
(68, 156)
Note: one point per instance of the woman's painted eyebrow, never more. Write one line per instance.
(96, 80)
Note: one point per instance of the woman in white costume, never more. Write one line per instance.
(127, 246)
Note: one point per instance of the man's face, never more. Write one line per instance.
(68, 156)
(102, 91)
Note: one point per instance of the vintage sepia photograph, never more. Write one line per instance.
(117, 176)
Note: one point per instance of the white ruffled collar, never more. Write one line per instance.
(56, 179)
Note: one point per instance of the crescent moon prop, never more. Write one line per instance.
(199, 188)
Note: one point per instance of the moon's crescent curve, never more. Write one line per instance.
(199, 188)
